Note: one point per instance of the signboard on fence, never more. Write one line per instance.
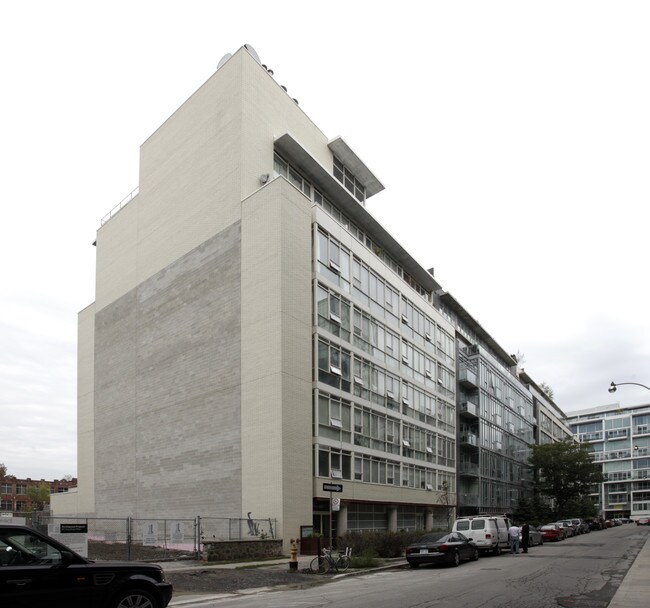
(74, 536)
(177, 534)
(150, 534)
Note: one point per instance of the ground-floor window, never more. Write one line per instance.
(410, 518)
(367, 516)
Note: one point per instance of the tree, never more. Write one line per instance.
(39, 495)
(3, 471)
(534, 511)
(548, 390)
(565, 472)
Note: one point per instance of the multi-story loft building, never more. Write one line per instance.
(549, 421)
(256, 333)
(495, 419)
(13, 492)
(619, 438)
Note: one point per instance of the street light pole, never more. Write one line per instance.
(613, 386)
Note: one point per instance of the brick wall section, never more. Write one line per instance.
(167, 391)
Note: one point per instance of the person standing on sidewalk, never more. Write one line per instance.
(513, 536)
(525, 536)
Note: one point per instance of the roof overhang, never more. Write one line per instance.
(293, 151)
(461, 312)
(349, 158)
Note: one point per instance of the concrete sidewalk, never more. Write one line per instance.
(634, 591)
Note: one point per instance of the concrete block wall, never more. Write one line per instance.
(167, 390)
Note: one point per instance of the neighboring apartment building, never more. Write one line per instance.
(550, 424)
(495, 419)
(13, 492)
(256, 333)
(619, 438)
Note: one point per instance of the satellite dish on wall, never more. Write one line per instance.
(253, 53)
(224, 59)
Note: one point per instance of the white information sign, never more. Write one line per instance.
(150, 534)
(178, 532)
(77, 541)
(336, 504)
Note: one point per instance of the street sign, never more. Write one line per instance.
(336, 504)
(332, 487)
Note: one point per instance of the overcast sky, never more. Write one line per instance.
(513, 139)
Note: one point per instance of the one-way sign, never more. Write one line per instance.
(332, 487)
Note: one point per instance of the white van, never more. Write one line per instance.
(489, 532)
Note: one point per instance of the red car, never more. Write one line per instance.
(552, 532)
(643, 521)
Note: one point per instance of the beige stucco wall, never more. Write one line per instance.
(195, 170)
(82, 501)
(276, 356)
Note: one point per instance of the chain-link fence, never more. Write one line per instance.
(223, 528)
(149, 539)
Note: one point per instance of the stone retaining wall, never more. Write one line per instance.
(226, 551)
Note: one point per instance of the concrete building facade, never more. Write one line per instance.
(256, 333)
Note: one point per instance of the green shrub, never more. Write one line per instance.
(368, 559)
(379, 544)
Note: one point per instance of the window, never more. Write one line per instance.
(333, 260)
(347, 178)
(20, 489)
(333, 366)
(334, 418)
(333, 313)
(334, 462)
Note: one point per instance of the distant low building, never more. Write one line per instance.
(13, 492)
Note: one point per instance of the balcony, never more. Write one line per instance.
(467, 378)
(468, 500)
(468, 409)
(469, 439)
(468, 469)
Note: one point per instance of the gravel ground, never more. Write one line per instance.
(228, 580)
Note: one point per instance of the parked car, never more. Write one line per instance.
(535, 536)
(582, 526)
(643, 521)
(37, 571)
(595, 524)
(441, 548)
(553, 532)
(488, 532)
(569, 531)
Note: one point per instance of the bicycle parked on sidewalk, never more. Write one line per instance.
(326, 562)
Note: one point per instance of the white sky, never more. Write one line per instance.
(513, 139)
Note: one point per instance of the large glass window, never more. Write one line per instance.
(333, 365)
(333, 313)
(334, 418)
(367, 516)
(334, 463)
(333, 261)
(347, 178)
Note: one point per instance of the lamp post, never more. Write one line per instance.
(613, 386)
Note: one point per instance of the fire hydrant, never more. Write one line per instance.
(293, 556)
